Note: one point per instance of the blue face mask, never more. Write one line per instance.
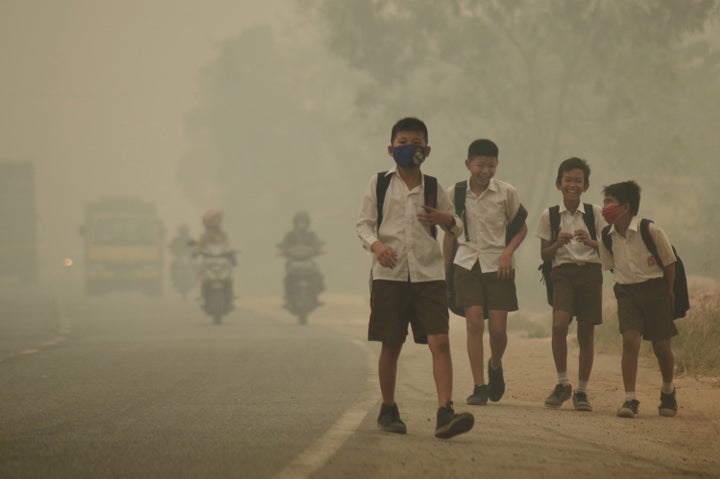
(409, 156)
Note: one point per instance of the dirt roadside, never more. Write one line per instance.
(518, 437)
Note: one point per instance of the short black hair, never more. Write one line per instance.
(572, 164)
(409, 123)
(482, 147)
(625, 192)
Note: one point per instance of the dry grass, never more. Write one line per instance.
(696, 347)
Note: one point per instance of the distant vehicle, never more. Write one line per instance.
(123, 246)
(18, 221)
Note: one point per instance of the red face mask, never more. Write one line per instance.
(611, 213)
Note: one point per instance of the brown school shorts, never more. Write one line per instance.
(577, 289)
(395, 304)
(475, 288)
(646, 307)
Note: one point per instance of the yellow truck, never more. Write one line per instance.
(123, 246)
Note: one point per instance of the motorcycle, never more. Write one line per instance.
(185, 274)
(216, 267)
(303, 282)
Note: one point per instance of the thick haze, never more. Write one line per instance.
(261, 110)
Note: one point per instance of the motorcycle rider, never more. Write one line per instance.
(181, 249)
(213, 236)
(179, 246)
(301, 244)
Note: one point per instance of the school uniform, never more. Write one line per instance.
(576, 273)
(644, 303)
(414, 291)
(478, 255)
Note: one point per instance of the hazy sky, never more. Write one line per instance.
(95, 92)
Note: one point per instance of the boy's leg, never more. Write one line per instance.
(563, 390)
(666, 359)
(387, 372)
(475, 325)
(442, 366)
(631, 348)
(586, 343)
(497, 329)
(497, 332)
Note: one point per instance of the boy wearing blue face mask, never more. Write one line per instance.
(408, 277)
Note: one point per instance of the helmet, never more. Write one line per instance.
(301, 217)
(212, 218)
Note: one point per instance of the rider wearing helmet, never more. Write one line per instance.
(213, 234)
(301, 244)
(180, 244)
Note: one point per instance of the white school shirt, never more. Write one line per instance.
(574, 251)
(630, 259)
(487, 216)
(419, 254)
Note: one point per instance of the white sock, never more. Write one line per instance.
(563, 378)
(582, 386)
(629, 396)
(668, 388)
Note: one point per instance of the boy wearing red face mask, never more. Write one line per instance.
(644, 293)
(576, 278)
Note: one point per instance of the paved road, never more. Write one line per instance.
(140, 388)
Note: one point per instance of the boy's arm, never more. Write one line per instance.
(448, 241)
(451, 223)
(505, 263)
(367, 220)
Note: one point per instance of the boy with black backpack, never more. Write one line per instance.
(481, 268)
(645, 268)
(400, 213)
(572, 272)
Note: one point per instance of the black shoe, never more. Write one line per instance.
(668, 404)
(496, 383)
(629, 409)
(450, 424)
(560, 394)
(580, 401)
(479, 397)
(389, 420)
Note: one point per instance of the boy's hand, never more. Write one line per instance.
(584, 237)
(384, 254)
(505, 265)
(435, 217)
(563, 239)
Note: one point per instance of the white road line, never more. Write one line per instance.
(63, 331)
(319, 453)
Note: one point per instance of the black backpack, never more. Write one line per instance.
(510, 231)
(383, 182)
(680, 289)
(546, 266)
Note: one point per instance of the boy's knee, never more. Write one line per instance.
(475, 324)
(439, 343)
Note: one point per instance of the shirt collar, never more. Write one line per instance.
(633, 226)
(492, 185)
(580, 208)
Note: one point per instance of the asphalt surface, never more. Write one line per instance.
(132, 387)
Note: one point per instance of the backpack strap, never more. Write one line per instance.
(383, 182)
(589, 218)
(430, 190)
(647, 239)
(516, 224)
(554, 222)
(606, 238)
(460, 196)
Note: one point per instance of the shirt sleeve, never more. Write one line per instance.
(367, 220)
(662, 243)
(599, 222)
(606, 257)
(446, 204)
(543, 227)
(513, 203)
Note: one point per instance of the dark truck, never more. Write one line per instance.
(123, 246)
(18, 222)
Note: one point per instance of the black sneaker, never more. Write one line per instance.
(629, 409)
(479, 397)
(560, 394)
(580, 401)
(450, 424)
(496, 383)
(389, 420)
(668, 404)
